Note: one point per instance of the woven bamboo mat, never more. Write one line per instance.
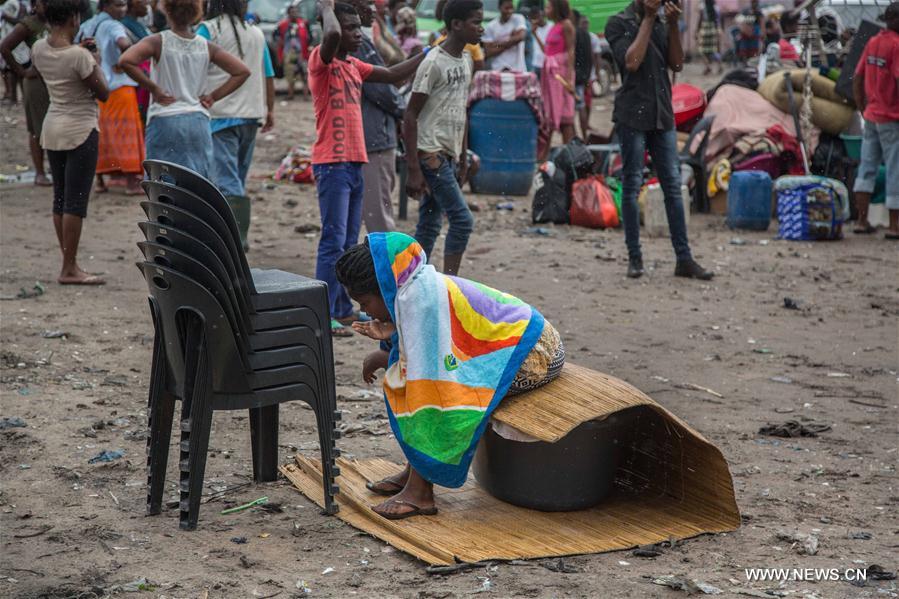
(671, 482)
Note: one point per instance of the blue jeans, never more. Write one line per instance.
(184, 139)
(339, 186)
(232, 155)
(444, 196)
(662, 146)
(880, 145)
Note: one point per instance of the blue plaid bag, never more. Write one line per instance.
(810, 208)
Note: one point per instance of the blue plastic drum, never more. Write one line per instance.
(504, 136)
(749, 200)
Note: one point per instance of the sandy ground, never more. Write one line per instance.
(74, 529)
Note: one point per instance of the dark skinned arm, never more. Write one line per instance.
(570, 39)
(675, 50)
(491, 49)
(398, 72)
(269, 105)
(18, 35)
(231, 65)
(858, 91)
(415, 182)
(331, 32)
(96, 80)
(637, 50)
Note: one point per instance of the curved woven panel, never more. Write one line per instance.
(671, 482)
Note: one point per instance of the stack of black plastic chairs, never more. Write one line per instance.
(227, 337)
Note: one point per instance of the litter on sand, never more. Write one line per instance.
(245, 506)
(793, 428)
(107, 456)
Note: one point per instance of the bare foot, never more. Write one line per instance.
(42, 180)
(79, 277)
(391, 485)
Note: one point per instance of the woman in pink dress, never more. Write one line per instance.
(557, 78)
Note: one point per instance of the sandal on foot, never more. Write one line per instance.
(416, 511)
(338, 330)
(393, 489)
(864, 230)
(90, 280)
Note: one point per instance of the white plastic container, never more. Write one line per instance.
(655, 219)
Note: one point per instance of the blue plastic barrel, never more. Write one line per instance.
(749, 200)
(504, 136)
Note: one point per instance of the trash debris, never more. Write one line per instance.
(307, 228)
(737, 241)
(861, 535)
(506, 206)
(11, 422)
(785, 380)
(560, 565)
(239, 540)
(301, 585)
(539, 231)
(695, 387)
(876, 572)
(838, 375)
(761, 350)
(245, 506)
(689, 585)
(23, 293)
(115, 380)
(790, 304)
(804, 544)
(486, 585)
(54, 334)
(793, 428)
(107, 456)
(328, 570)
(135, 586)
(647, 551)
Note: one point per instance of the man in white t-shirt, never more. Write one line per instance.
(540, 29)
(503, 39)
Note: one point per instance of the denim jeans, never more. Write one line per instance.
(662, 146)
(232, 155)
(444, 196)
(880, 145)
(339, 186)
(184, 139)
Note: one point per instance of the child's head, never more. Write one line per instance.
(355, 270)
(182, 13)
(60, 13)
(463, 19)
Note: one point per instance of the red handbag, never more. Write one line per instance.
(592, 204)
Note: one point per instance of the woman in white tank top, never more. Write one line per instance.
(236, 119)
(178, 116)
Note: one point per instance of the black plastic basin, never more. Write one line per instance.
(575, 473)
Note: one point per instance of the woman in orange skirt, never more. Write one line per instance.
(121, 144)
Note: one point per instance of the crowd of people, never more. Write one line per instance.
(192, 82)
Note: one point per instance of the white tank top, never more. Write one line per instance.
(248, 102)
(180, 71)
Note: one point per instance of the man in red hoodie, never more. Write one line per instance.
(876, 90)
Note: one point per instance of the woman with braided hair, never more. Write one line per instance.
(235, 120)
(452, 350)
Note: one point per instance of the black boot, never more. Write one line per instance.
(635, 267)
(689, 269)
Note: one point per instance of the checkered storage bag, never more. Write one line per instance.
(811, 208)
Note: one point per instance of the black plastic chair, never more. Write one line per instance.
(196, 357)
(268, 288)
(696, 161)
(296, 291)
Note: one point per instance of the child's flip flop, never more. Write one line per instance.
(416, 511)
(338, 330)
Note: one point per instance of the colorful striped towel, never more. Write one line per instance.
(457, 349)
